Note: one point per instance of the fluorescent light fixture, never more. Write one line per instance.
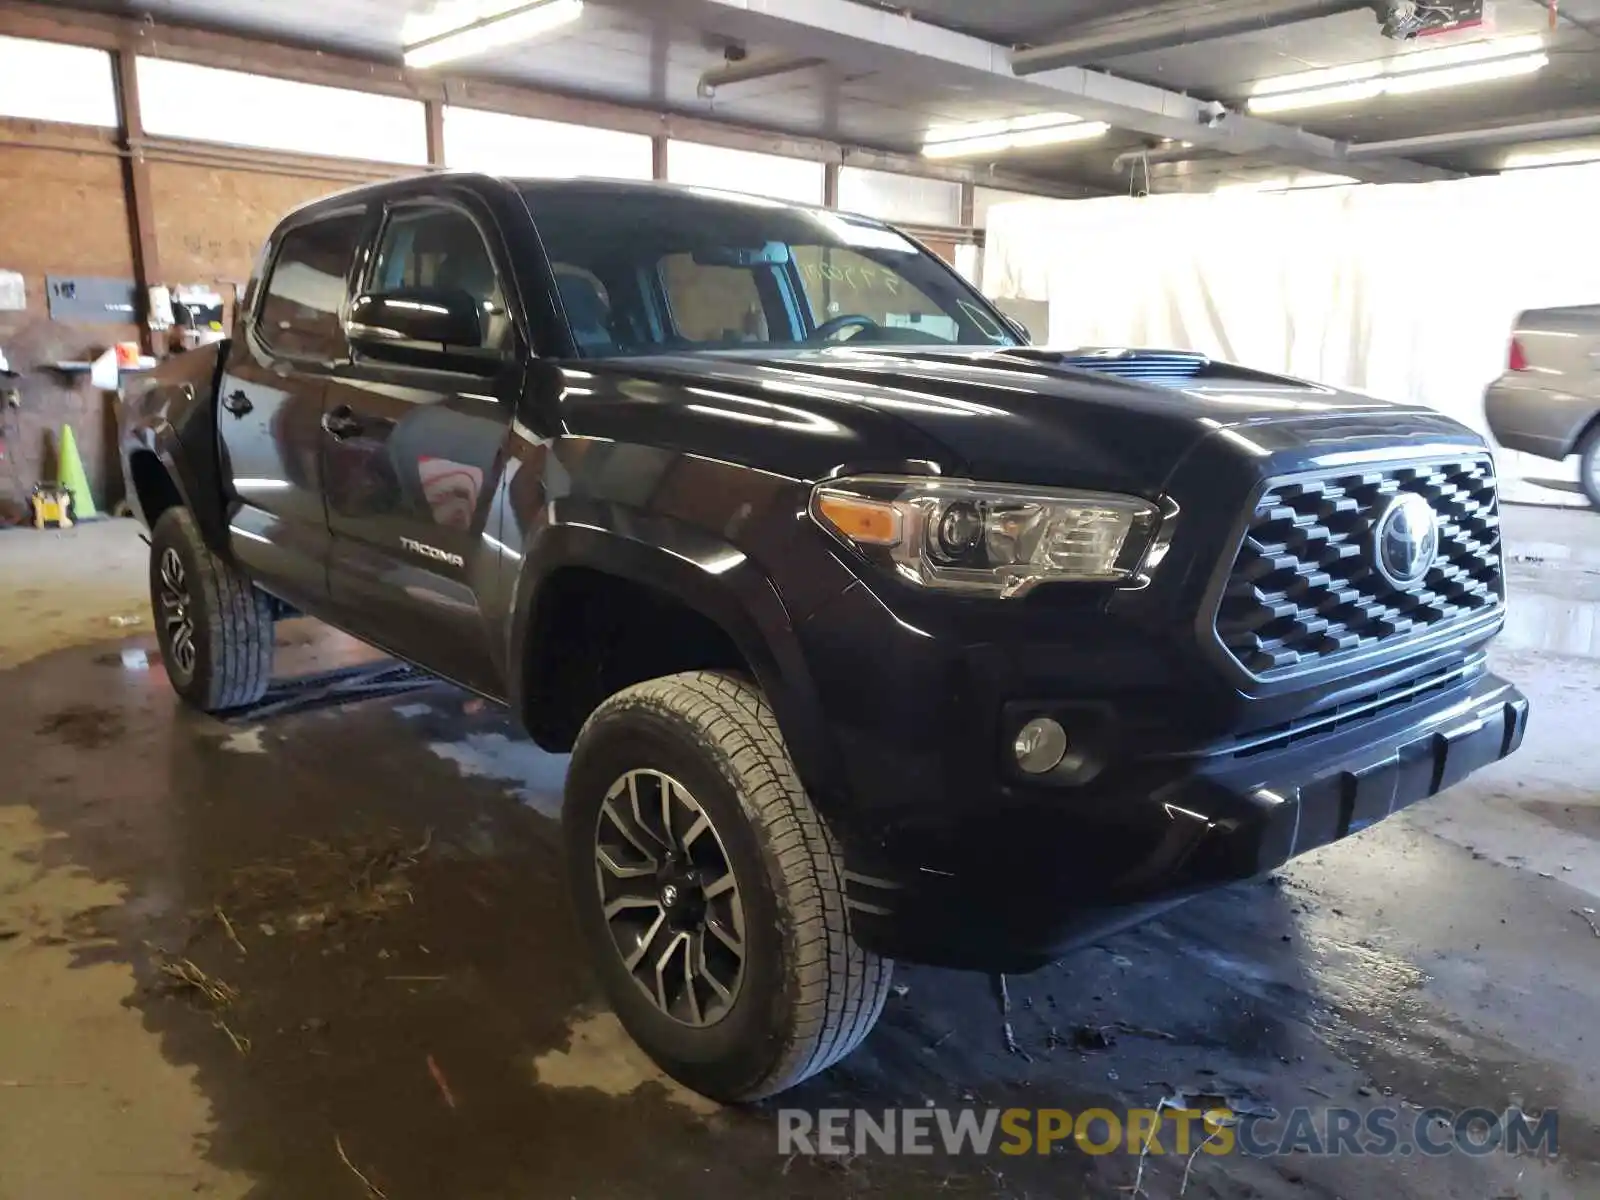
(1551, 158)
(1344, 93)
(1305, 80)
(1483, 72)
(1401, 75)
(1449, 56)
(1083, 131)
(1019, 133)
(493, 33)
(975, 129)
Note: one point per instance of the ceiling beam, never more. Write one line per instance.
(1496, 135)
(856, 37)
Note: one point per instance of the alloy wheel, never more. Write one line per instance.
(670, 898)
(176, 615)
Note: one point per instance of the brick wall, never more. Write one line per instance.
(210, 223)
(63, 211)
(60, 213)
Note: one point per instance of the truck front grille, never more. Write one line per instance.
(1305, 587)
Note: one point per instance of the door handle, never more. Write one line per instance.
(237, 403)
(342, 422)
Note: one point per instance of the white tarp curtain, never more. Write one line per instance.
(1405, 291)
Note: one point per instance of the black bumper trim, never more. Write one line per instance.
(1033, 880)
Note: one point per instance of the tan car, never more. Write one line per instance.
(1548, 401)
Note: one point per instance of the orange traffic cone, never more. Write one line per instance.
(69, 473)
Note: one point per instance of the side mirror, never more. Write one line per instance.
(416, 318)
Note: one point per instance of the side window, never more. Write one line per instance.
(713, 303)
(839, 281)
(441, 247)
(305, 292)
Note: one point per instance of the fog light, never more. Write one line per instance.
(1040, 746)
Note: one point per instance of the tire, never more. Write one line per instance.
(1589, 466)
(223, 659)
(804, 994)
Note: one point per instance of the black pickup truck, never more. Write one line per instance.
(873, 631)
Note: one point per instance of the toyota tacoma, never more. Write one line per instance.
(873, 631)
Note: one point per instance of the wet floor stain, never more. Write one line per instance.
(1554, 593)
(1555, 625)
(86, 726)
(1582, 819)
(536, 777)
(378, 898)
(600, 1056)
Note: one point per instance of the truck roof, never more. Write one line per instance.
(533, 186)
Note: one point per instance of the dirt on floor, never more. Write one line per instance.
(323, 950)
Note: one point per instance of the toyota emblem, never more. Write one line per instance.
(1406, 540)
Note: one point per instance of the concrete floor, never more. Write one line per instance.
(378, 884)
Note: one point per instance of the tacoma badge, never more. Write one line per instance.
(416, 547)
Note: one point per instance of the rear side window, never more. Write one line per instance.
(305, 292)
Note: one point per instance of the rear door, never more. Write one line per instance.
(271, 397)
(414, 452)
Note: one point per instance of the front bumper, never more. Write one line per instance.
(1187, 774)
(1014, 886)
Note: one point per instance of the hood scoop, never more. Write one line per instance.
(1173, 368)
(1145, 366)
(1161, 368)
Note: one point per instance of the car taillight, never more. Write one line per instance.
(1519, 357)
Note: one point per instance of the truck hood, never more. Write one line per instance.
(1113, 419)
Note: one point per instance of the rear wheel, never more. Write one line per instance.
(1589, 466)
(214, 626)
(710, 891)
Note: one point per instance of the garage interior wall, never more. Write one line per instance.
(64, 211)
(224, 153)
(1408, 292)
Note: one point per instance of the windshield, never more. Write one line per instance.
(662, 271)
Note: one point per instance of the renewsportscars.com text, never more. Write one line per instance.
(1381, 1132)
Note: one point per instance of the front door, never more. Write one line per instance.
(413, 452)
(270, 407)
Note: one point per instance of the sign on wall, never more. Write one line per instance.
(89, 299)
(13, 293)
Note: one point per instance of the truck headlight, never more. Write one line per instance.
(992, 538)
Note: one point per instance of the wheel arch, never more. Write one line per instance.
(170, 421)
(152, 486)
(690, 583)
(1588, 428)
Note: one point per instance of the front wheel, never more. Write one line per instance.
(215, 627)
(710, 891)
